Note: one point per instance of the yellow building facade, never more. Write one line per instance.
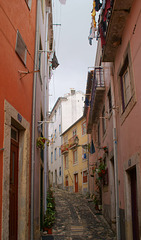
(75, 157)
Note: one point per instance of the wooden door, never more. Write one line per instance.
(13, 208)
(76, 182)
(135, 223)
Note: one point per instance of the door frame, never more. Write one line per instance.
(11, 119)
(133, 162)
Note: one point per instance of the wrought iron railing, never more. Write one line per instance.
(98, 82)
(73, 142)
(64, 148)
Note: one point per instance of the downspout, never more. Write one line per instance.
(115, 158)
(45, 110)
(34, 122)
(88, 166)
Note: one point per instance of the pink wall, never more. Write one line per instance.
(129, 137)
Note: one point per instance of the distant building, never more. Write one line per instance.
(65, 112)
(75, 157)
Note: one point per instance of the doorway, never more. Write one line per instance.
(134, 204)
(76, 182)
(13, 207)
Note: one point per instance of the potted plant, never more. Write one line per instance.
(41, 142)
(105, 148)
(49, 217)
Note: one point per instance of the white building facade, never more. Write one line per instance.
(66, 111)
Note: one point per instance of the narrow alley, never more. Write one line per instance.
(76, 219)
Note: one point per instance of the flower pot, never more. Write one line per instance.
(49, 231)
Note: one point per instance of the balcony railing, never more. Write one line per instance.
(98, 88)
(64, 148)
(73, 142)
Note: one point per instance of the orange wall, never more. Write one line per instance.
(15, 15)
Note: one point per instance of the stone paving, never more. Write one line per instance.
(76, 219)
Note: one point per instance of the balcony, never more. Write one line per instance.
(98, 90)
(64, 148)
(73, 142)
(115, 26)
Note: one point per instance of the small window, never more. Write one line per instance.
(55, 133)
(51, 157)
(84, 154)
(75, 159)
(59, 152)
(14, 134)
(84, 128)
(55, 153)
(66, 161)
(60, 128)
(60, 171)
(21, 48)
(125, 84)
(74, 132)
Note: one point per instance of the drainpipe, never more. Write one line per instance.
(34, 122)
(115, 158)
(46, 87)
(88, 166)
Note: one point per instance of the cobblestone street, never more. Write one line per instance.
(76, 219)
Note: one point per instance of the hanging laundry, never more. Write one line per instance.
(103, 42)
(55, 63)
(92, 148)
(103, 4)
(62, 1)
(107, 6)
(93, 14)
(87, 103)
(97, 5)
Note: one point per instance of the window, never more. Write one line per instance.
(55, 133)
(28, 3)
(66, 161)
(59, 152)
(110, 100)
(55, 153)
(51, 157)
(21, 48)
(103, 120)
(74, 132)
(84, 128)
(125, 84)
(60, 171)
(85, 176)
(75, 157)
(84, 154)
(60, 128)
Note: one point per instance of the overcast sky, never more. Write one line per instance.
(72, 47)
